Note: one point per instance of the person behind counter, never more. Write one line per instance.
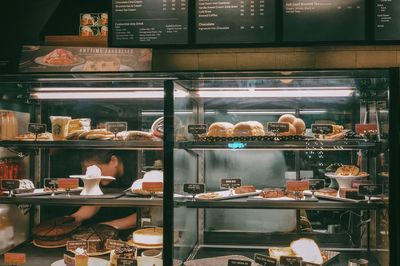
(113, 164)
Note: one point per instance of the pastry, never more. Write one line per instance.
(25, 186)
(102, 63)
(287, 118)
(151, 176)
(55, 232)
(148, 236)
(348, 170)
(299, 125)
(77, 258)
(209, 195)
(248, 129)
(273, 193)
(75, 134)
(96, 134)
(126, 252)
(245, 189)
(327, 191)
(78, 124)
(135, 135)
(294, 194)
(157, 129)
(31, 136)
(96, 236)
(292, 131)
(276, 253)
(308, 250)
(60, 57)
(220, 129)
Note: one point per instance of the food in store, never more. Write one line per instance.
(102, 63)
(276, 253)
(248, 129)
(87, 19)
(25, 186)
(287, 118)
(273, 193)
(209, 195)
(54, 232)
(31, 136)
(220, 129)
(292, 131)
(245, 189)
(78, 257)
(294, 194)
(75, 134)
(59, 126)
(348, 170)
(136, 135)
(96, 134)
(60, 57)
(78, 124)
(104, 31)
(307, 249)
(299, 125)
(148, 236)
(296, 125)
(96, 237)
(151, 176)
(126, 252)
(327, 191)
(157, 129)
(305, 224)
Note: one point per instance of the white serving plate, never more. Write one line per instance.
(41, 192)
(226, 194)
(328, 197)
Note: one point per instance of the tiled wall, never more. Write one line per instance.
(277, 58)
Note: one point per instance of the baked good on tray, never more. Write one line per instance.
(96, 134)
(296, 125)
(248, 129)
(96, 236)
(348, 170)
(126, 252)
(31, 136)
(220, 129)
(25, 186)
(78, 257)
(245, 189)
(148, 236)
(327, 191)
(136, 135)
(273, 193)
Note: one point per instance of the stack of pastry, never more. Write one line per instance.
(94, 134)
(296, 125)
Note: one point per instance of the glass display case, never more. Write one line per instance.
(71, 113)
(295, 166)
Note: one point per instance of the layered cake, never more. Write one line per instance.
(77, 258)
(122, 253)
(148, 236)
(96, 236)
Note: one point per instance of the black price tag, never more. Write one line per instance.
(194, 188)
(309, 264)
(239, 263)
(116, 127)
(197, 129)
(51, 182)
(9, 184)
(37, 128)
(265, 260)
(290, 261)
(321, 129)
(370, 190)
(316, 184)
(278, 127)
(126, 262)
(230, 183)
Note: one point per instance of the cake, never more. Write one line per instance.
(96, 236)
(122, 253)
(102, 63)
(248, 129)
(308, 250)
(151, 176)
(220, 129)
(273, 193)
(25, 186)
(77, 258)
(327, 191)
(55, 232)
(148, 236)
(245, 189)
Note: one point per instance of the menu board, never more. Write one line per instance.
(156, 22)
(323, 20)
(235, 21)
(387, 19)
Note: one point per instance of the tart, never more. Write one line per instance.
(148, 236)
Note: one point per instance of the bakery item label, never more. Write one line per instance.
(51, 183)
(322, 128)
(9, 184)
(73, 245)
(265, 260)
(228, 183)
(366, 128)
(14, 258)
(316, 184)
(37, 128)
(297, 185)
(194, 188)
(126, 262)
(370, 190)
(278, 127)
(116, 127)
(68, 183)
(197, 129)
(113, 244)
(232, 262)
(290, 261)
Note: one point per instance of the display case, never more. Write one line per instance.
(286, 158)
(92, 101)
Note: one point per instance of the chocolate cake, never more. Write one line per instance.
(96, 236)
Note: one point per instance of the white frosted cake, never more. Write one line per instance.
(148, 236)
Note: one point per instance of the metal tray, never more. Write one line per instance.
(226, 194)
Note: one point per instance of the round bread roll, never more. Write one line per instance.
(287, 118)
(249, 128)
(292, 131)
(299, 125)
(220, 129)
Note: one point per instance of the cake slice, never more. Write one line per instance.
(77, 258)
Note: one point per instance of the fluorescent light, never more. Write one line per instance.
(260, 112)
(277, 94)
(93, 89)
(98, 95)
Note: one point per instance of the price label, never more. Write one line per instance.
(230, 183)
(366, 128)
(316, 184)
(152, 186)
(73, 245)
(51, 183)
(265, 260)
(197, 129)
(68, 183)
(370, 190)
(14, 258)
(113, 244)
(321, 128)
(116, 127)
(278, 127)
(126, 262)
(194, 188)
(9, 184)
(297, 185)
(239, 263)
(290, 261)
(37, 128)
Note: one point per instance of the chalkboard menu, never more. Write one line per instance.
(323, 20)
(235, 21)
(387, 19)
(147, 23)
